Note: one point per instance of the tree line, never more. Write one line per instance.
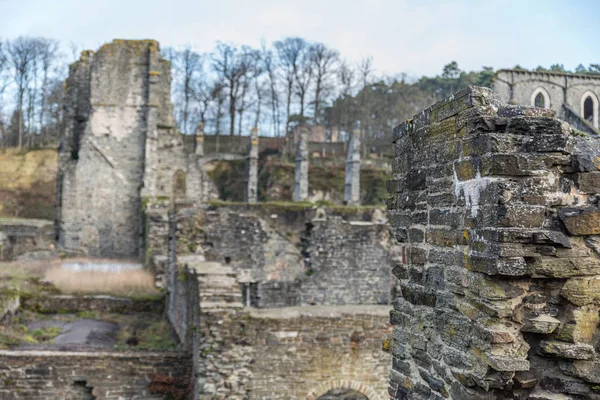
(233, 88)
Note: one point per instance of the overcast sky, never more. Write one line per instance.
(414, 36)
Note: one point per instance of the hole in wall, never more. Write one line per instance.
(227, 260)
(81, 388)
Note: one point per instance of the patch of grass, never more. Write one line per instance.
(147, 334)
(46, 334)
(15, 335)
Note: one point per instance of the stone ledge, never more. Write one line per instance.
(321, 311)
(115, 354)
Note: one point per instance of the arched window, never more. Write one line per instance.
(539, 101)
(589, 108)
(540, 98)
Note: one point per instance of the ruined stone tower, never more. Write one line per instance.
(119, 149)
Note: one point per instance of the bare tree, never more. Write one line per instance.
(48, 55)
(304, 76)
(323, 60)
(204, 95)
(4, 68)
(251, 81)
(187, 64)
(289, 51)
(346, 77)
(21, 52)
(269, 67)
(365, 71)
(218, 93)
(232, 66)
(4, 78)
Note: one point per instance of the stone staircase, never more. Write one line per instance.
(219, 289)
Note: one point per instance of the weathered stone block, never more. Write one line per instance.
(582, 291)
(580, 325)
(581, 221)
(586, 370)
(542, 324)
(588, 182)
(578, 351)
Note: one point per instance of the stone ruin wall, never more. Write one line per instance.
(119, 149)
(280, 350)
(23, 238)
(291, 353)
(496, 209)
(298, 255)
(35, 375)
(296, 354)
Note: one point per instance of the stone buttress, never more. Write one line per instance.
(496, 210)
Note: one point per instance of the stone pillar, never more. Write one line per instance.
(352, 186)
(251, 179)
(200, 140)
(495, 214)
(301, 172)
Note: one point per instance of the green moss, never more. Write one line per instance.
(46, 334)
(577, 132)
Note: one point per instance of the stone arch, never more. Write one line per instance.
(589, 103)
(179, 185)
(535, 97)
(357, 386)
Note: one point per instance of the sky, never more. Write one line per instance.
(417, 37)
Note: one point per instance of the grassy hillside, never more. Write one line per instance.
(276, 181)
(27, 183)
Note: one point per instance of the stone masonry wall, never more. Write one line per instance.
(283, 353)
(101, 155)
(25, 237)
(35, 375)
(297, 256)
(496, 209)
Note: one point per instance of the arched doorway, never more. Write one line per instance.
(344, 389)
(343, 394)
